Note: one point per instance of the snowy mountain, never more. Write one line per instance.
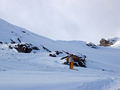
(11, 32)
(14, 33)
(39, 71)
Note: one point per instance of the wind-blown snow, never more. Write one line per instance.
(116, 42)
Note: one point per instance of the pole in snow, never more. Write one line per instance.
(71, 63)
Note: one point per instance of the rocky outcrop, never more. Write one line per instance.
(23, 48)
(104, 42)
(92, 45)
(79, 61)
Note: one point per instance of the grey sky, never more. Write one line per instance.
(87, 20)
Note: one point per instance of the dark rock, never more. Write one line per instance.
(92, 45)
(55, 54)
(66, 63)
(19, 40)
(104, 42)
(1, 42)
(23, 31)
(10, 47)
(12, 41)
(103, 69)
(23, 48)
(46, 49)
(12, 32)
(52, 55)
(35, 48)
(58, 52)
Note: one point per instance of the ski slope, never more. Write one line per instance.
(38, 71)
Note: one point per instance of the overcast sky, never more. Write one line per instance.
(87, 20)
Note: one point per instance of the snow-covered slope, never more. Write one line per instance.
(38, 71)
(10, 32)
(116, 42)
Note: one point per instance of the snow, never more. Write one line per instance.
(116, 45)
(37, 80)
(38, 71)
(116, 42)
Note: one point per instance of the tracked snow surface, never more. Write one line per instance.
(38, 71)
